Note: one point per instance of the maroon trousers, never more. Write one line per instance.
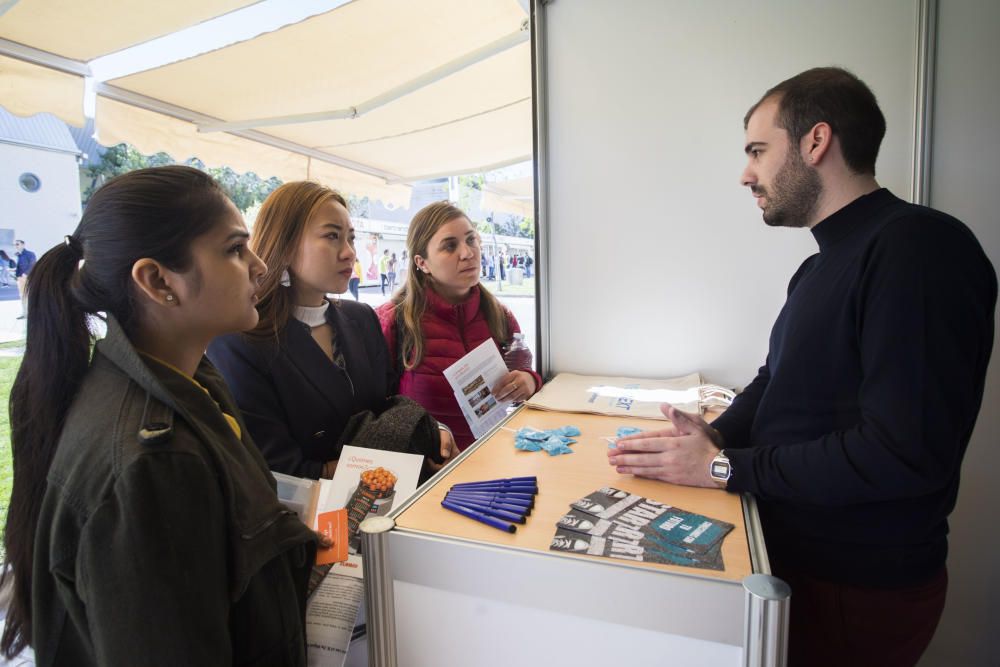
(848, 626)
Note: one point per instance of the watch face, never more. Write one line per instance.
(721, 470)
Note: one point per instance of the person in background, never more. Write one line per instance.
(25, 262)
(355, 283)
(851, 436)
(442, 312)
(383, 269)
(314, 373)
(144, 527)
(401, 268)
(6, 264)
(392, 273)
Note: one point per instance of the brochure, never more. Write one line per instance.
(369, 482)
(331, 613)
(472, 378)
(606, 502)
(617, 524)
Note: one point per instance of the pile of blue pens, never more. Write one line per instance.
(501, 503)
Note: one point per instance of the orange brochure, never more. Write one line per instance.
(334, 525)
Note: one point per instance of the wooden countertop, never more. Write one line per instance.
(563, 479)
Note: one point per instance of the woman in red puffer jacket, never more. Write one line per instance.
(442, 313)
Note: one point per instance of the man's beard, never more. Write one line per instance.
(793, 195)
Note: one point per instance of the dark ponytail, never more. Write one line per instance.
(154, 213)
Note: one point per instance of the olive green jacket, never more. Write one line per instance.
(161, 540)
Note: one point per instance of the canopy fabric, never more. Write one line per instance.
(512, 196)
(477, 117)
(404, 90)
(85, 29)
(151, 132)
(26, 90)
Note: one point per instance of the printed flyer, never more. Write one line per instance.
(616, 524)
(472, 378)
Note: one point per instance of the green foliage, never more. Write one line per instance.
(118, 160)
(245, 190)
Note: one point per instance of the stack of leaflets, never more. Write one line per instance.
(616, 524)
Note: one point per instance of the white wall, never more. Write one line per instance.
(41, 218)
(646, 140)
(965, 181)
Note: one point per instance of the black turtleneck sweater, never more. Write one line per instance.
(852, 434)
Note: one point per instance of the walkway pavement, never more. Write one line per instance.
(11, 328)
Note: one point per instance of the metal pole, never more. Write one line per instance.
(765, 621)
(379, 602)
(923, 116)
(540, 86)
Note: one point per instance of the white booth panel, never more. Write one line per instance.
(659, 263)
(515, 634)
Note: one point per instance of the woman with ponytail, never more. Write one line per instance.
(442, 312)
(143, 527)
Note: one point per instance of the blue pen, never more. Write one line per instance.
(493, 504)
(531, 479)
(527, 492)
(520, 499)
(516, 517)
(499, 482)
(523, 505)
(513, 492)
(481, 518)
(507, 489)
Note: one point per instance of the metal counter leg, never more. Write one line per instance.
(765, 621)
(378, 591)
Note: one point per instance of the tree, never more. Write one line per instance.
(119, 160)
(245, 190)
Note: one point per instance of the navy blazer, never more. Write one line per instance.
(295, 401)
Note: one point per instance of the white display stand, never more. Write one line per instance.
(442, 599)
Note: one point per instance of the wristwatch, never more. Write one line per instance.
(721, 469)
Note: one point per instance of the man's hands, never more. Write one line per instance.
(681, 453)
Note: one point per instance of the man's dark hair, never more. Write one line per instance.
(834, 96)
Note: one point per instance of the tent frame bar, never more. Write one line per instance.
(44, 58)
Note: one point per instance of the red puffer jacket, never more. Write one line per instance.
(450, 332)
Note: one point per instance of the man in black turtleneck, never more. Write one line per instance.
(852, 434)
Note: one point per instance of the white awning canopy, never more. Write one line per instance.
(516, 196)
(367, 97)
